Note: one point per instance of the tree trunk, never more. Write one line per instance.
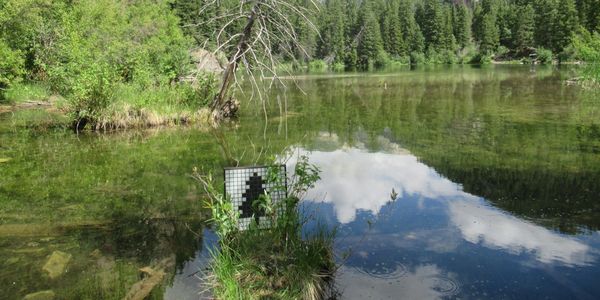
(219, 104)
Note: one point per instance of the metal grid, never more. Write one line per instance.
(244, 185)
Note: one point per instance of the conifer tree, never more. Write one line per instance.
(545, 20)
(332, 43)
(411, 31)
(432, 24)
(370, 45)
(352, 32)
(566, 24)
(462, 24)
(490, 37)
(524, 28)
(392, 31)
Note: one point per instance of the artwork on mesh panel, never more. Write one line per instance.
(245, 185)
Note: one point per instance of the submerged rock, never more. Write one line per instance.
(57, 264)
(43, 295)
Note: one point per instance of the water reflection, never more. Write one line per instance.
(404, 246)
(355, 180)
(424, 282)
(479, 223)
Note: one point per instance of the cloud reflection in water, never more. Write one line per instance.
(357, 180)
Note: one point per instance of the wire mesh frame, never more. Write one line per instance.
(244, 185)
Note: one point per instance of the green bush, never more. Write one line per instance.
(544, 56)
(11, 67)
(466, 55)
(587, 46)
(417, 58)
(482, 59)
(317, 66)
(101, 44)
(338, 67)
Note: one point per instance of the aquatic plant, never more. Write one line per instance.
(276, 262)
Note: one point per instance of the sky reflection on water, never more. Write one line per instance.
(435, 240)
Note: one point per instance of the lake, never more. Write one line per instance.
(494, 171)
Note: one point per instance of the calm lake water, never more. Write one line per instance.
(496, 170)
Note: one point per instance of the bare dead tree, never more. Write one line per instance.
(268, 35)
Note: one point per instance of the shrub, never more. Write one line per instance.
(481, 59)
(11, 67)
(382, 60)
(107, 42)
(544, 56)
(417, 58)
(338, 67)
(587, 46)
(317, 66)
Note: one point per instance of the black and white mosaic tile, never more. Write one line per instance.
(245, 185)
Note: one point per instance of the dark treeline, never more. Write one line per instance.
(365, 33)
(361, 33)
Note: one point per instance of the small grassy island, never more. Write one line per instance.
(279, 261)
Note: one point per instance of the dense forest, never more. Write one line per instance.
(362, 34)
(115, 63)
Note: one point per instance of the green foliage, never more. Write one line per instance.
(86, 49)
(417, 58)
(490, 35)
(462, 19)
(317, 66)
(332, 42)
(587, 46)
(338, 67)
(544, 56)
(27, 91)
(11, 67)
(481, 59)
(370, 46)
(392, 31)
(524, 28)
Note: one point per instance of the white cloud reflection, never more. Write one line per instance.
(493, 228)
(354, 179)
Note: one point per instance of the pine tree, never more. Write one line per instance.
(566, 24)
(411, 31)
(393, 40)
(462, 24)
(370, 45)
(448, 41)
(351, 34)
(490, 37)
(332, 43)
(432, 24)
(545, 20)
(524, 28)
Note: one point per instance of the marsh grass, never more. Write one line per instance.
(275, 262)
(134, 106)
(258, 264)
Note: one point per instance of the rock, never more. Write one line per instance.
(57, 264)
(43, 295)
(205, 61)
